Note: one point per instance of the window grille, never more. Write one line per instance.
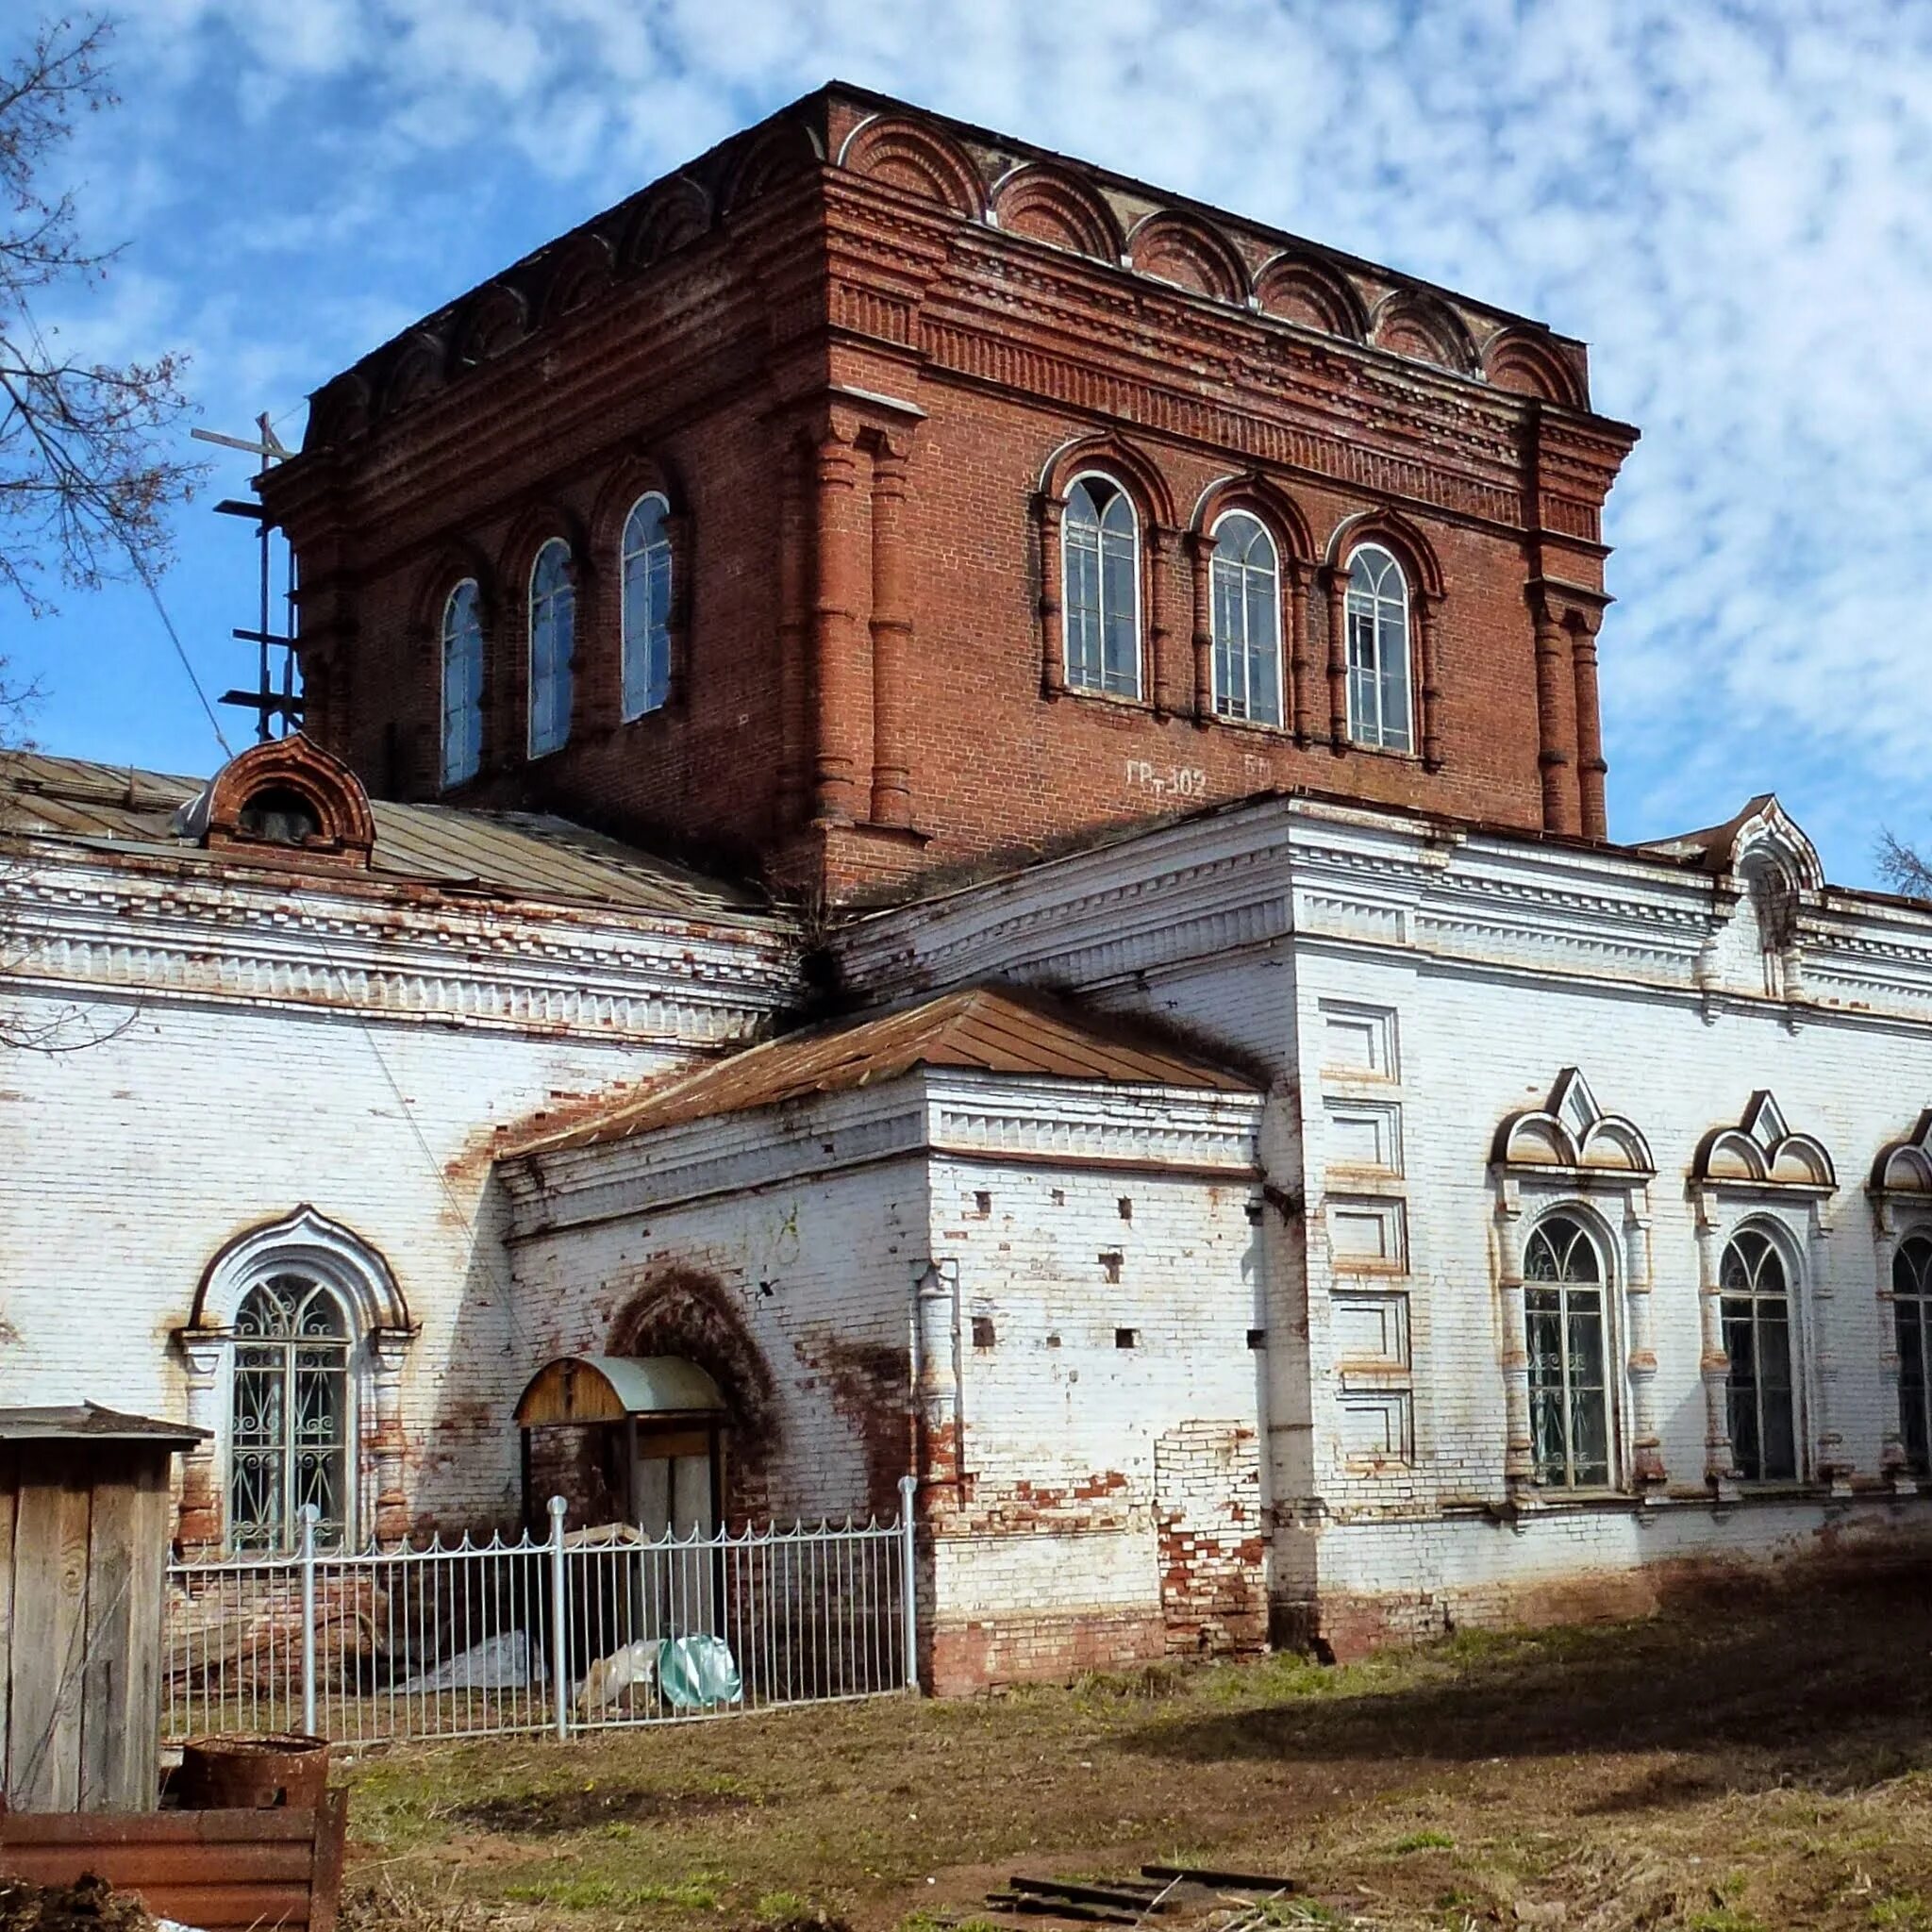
(462, 683)
(288, 1427)
(1757, 1305)
(1378, 696)
(647, 615)
(1911, 1290)
(1102, 547)
(553, 639)
(1246, 581)
(1569, 1385)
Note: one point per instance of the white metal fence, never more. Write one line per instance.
(573, 1632)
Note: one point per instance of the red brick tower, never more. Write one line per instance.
(891, 492)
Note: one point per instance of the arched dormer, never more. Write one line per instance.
(338, 413)
(1304, 289)
(779, 151)
(496, 320)
(1189, 254)
(917, 160)
(580, 269)
(1514, 359)
(416, 371)
(1046, 205)
(1762, 1151)
(1413, 324)
(1571, 1135)
(674, 214)
(284, 800)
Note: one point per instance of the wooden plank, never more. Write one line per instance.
(50, 1600)
(225, 1827)
(216, 1908)
(165, 1864)
(9, 1497)
(139, 1771)
(106, 1652)
(331, 1842)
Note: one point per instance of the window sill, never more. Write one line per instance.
(1378, 751)
(1120, 700)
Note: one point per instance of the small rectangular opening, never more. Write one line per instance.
(983, 1336)
(1126, 1338)
(1110, 1263)
(982, 1202)
(1257, 1337)
(1127, 1207)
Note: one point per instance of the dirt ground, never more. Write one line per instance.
(1756, 1760)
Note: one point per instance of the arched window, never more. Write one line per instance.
(1911, 1291)
(1756, 1301)
(462, 683)
(553, 639)
(646, 576)
(1246, 579)
(1378, 706)
(1569, 1353)
(288, 1415)
(280, 814)
(1101, 544)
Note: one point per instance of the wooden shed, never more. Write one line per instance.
(86, 1515)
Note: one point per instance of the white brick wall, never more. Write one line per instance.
(1410, 988)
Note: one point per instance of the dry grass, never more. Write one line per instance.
(1730, 1766)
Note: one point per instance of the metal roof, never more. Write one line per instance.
(87, 1422)
(984, 1029)
(515, 854)
(607, 1387)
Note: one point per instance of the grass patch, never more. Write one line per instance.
(1766, 1766)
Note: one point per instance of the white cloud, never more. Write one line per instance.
(1729, 200)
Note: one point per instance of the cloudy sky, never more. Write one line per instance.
(1731, 204)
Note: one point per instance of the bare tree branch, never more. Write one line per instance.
(86, 477)
(1904, 867)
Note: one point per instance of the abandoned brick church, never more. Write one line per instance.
(970, 796)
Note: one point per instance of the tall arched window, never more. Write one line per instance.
(288, 1415)
(1569, 1353)
(1246, 578)
(647, 573)
(553, 640)
(1101, 544)
(1378, 702)
(1911, 1303)
(1756, 1301)
(462, 683)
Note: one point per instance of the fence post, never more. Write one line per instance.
(309, 1516)
(559, 1603)
(908, 1586)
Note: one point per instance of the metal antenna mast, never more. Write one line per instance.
(274, 699)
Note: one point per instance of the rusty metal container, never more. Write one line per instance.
(254, 1770)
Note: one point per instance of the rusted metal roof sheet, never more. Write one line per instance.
(503, 854)
(984, 1029)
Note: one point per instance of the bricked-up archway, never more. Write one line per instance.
(687, 1313)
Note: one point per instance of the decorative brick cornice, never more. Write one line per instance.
(119, 930)
(1006, 1119)
(1310, 873)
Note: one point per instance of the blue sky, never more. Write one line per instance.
(1730, 204)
